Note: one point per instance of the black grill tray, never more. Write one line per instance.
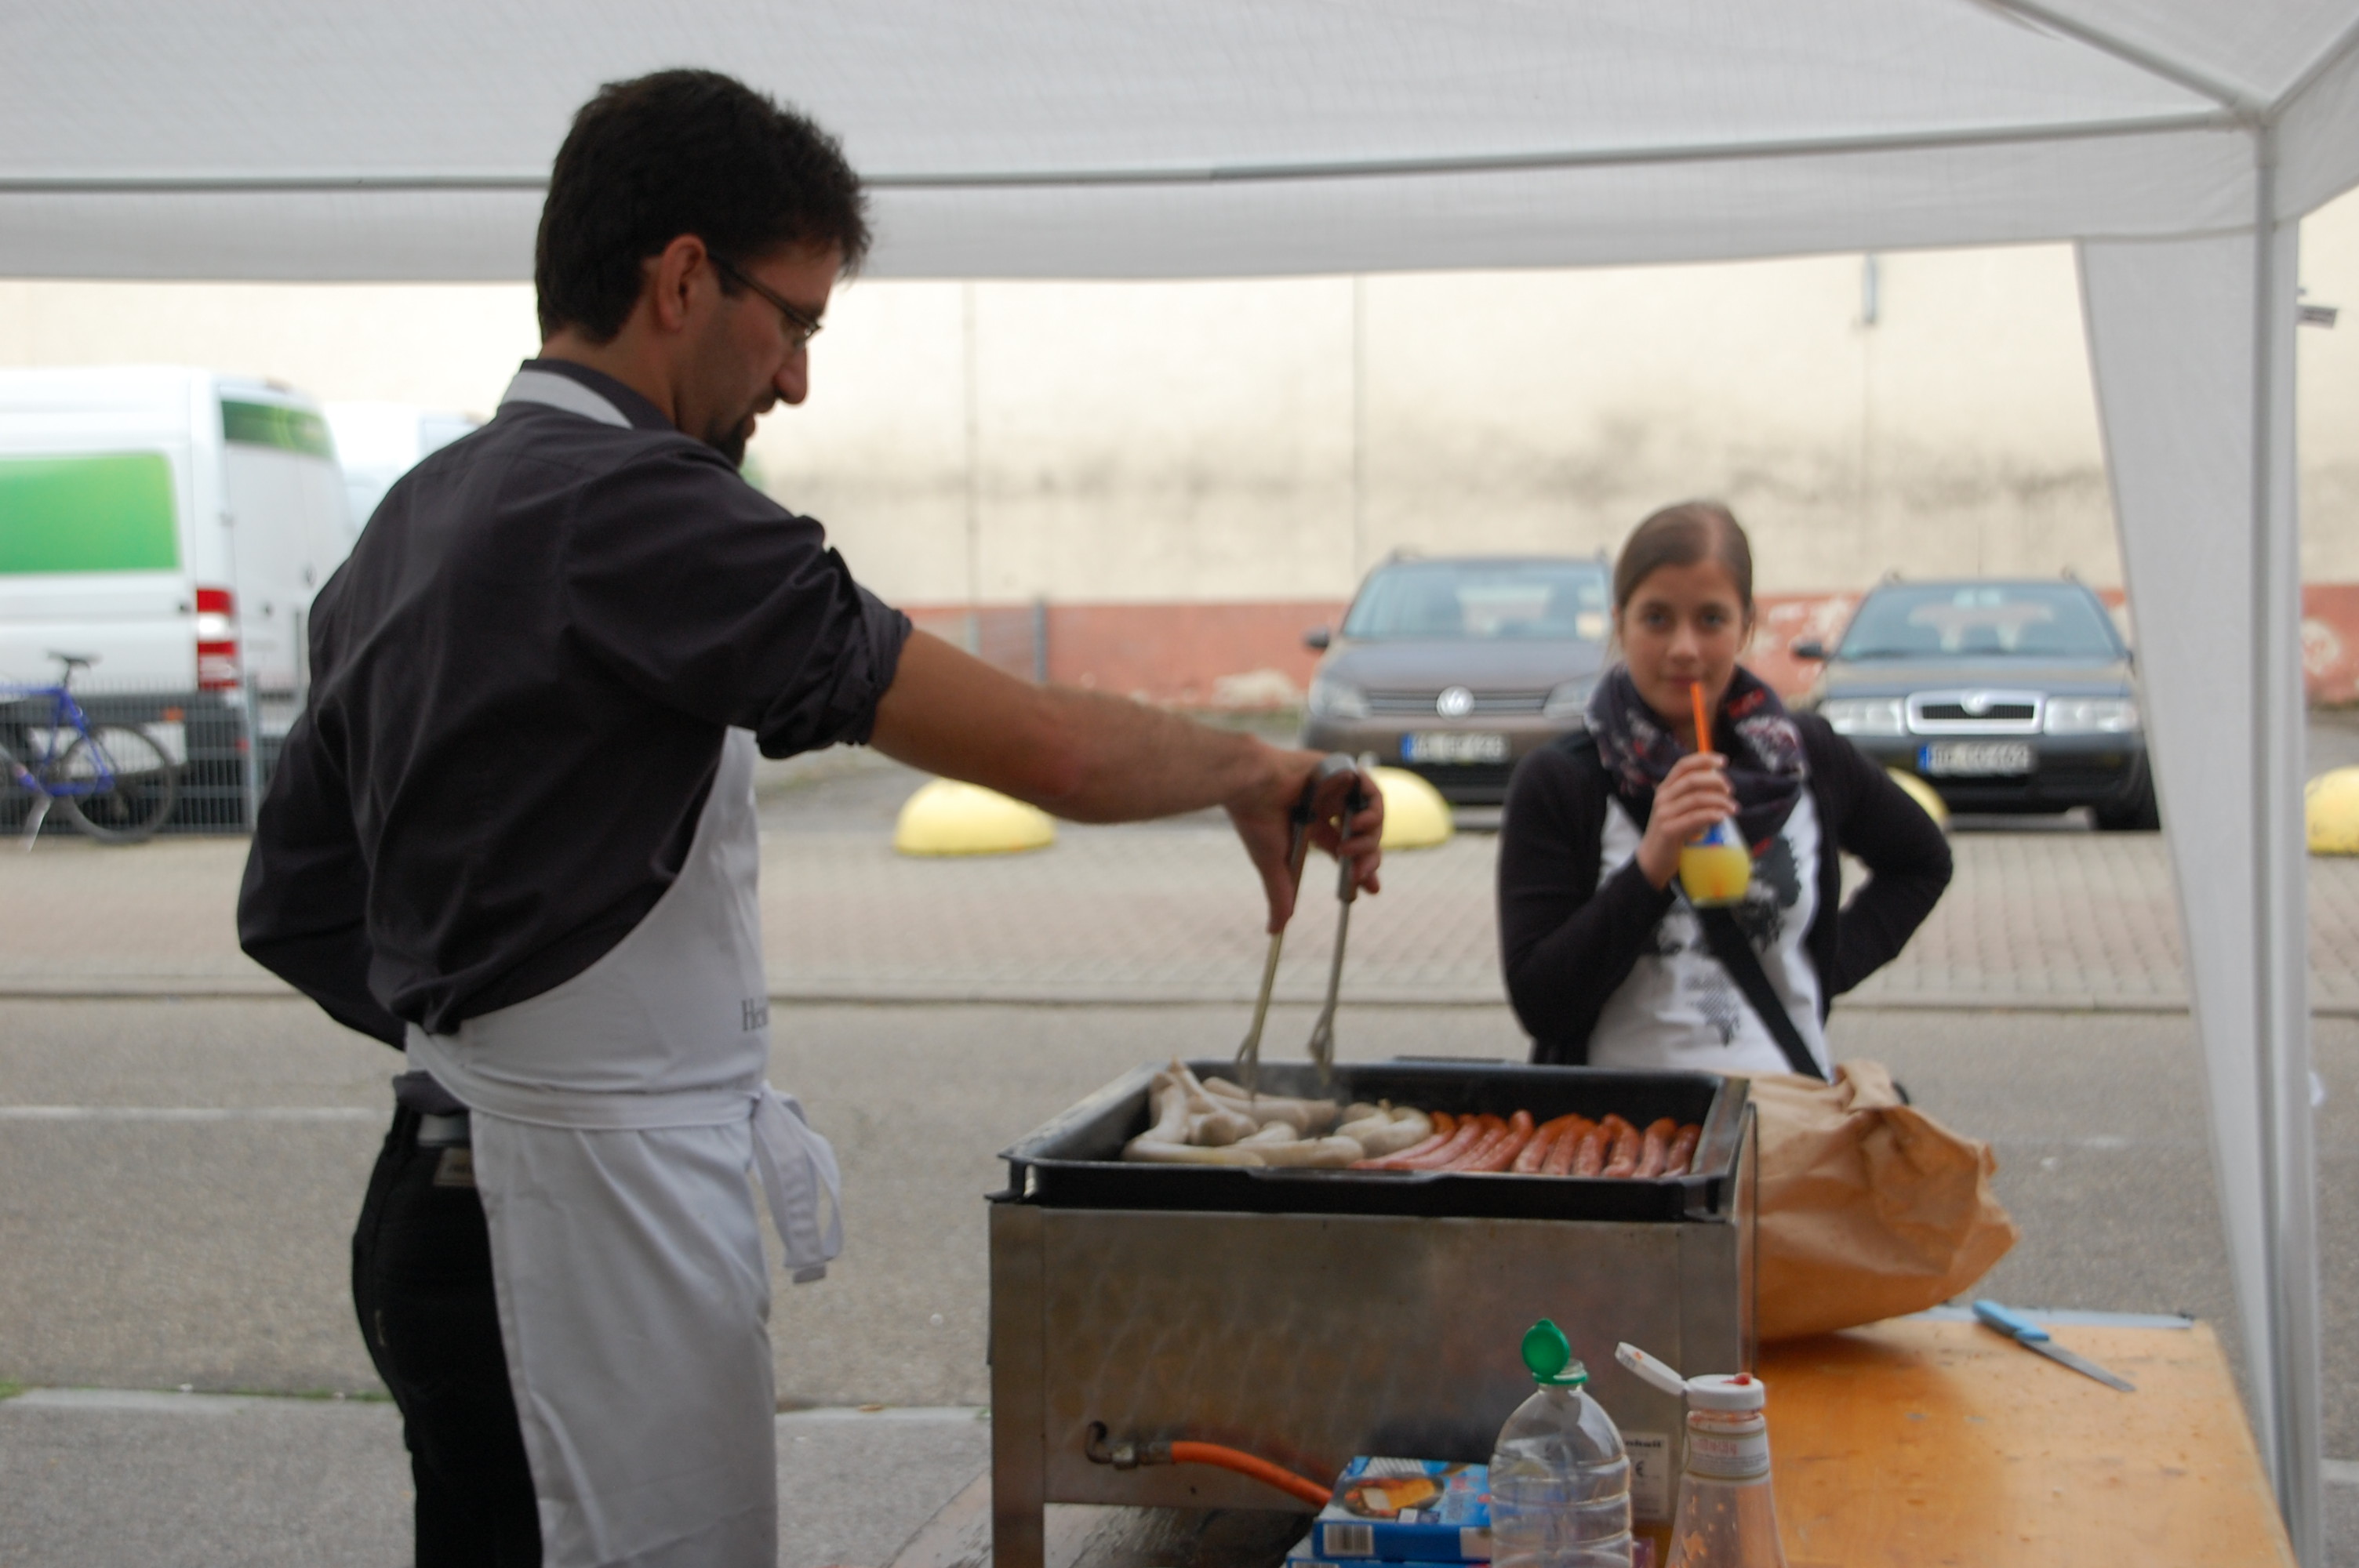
(1075, 1161)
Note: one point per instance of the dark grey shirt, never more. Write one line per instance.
(520, 682)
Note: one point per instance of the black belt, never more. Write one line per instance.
(441, 1118)
(443, 1131)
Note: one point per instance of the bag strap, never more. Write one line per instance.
(1736, 955)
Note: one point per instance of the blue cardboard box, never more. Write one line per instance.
(1406, 1511)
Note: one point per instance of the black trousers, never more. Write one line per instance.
(422, 1283)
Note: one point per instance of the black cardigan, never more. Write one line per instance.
(1567, 945)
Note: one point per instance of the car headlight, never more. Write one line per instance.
(1334, 699)
(1863, 714)
(2090, 716)
(1570, 700)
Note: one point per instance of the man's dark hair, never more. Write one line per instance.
(683, 152)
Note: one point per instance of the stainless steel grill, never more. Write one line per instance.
(1308, 1316)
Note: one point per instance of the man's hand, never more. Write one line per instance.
(1264, 816)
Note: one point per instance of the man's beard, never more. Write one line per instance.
(730, 442)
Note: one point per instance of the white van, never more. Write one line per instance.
(175, 523)
(377, 443)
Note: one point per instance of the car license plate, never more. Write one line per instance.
(1956, 758)
(1453, 746)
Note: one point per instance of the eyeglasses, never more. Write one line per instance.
(801, 328)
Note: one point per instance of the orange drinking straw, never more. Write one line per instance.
(1704, 724)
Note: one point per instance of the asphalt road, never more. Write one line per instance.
(177, 1180)
(151, 1245)
(181, 1217)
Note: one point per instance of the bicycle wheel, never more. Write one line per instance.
(16, 799)
(139, 794)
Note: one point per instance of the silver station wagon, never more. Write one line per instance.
(1456, 667)
(2004, 697)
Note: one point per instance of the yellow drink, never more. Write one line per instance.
(1717, 868)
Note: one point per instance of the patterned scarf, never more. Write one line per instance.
(1752, 730)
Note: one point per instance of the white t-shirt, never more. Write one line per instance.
(1681, 1009)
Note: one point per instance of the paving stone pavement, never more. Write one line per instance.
(2033, 919)
(2052, 919)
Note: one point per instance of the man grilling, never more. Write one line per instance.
(513, 837)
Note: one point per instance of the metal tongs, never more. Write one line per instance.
(1322, 1033)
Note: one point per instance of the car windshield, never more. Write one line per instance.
(1481, 600)
(2038, 621)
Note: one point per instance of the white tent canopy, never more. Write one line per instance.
(2177, 141)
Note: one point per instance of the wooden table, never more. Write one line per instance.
(1923, 1442)
(1916, 1442)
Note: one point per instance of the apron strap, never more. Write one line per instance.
(798, 1166)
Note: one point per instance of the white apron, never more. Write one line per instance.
(614, 1120)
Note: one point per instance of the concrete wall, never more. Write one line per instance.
(1273, 439)
(1139, 448)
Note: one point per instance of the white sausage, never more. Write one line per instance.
(1406, 1130)
(1332, 1152)
(1156, 1151)
(1303, 1115)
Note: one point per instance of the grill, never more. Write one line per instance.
(1956, 712)
(1310, 1315)
(1487, 704)
(1974, 713)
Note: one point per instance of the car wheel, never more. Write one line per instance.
(2136, 813)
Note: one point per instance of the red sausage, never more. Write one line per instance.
(1589, 1160)
(1623, 1158)
(1682, 1151)
(1493, 1129)
(1530, 1158)
(1501, 1151)
(1470, 1132)
(1657, 1148)
(1567, 1146)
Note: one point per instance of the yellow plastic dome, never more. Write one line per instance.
(947, 817)
(2331, 806)
(1415, 816)
(1923, 794)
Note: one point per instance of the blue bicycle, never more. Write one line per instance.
(116, 782)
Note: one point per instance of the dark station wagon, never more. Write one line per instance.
(2003, 696)
(1454, 668)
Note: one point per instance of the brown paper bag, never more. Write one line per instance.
(1869, 1207)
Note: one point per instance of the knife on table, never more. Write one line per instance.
(2031, 1336)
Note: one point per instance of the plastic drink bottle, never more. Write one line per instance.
(1727, 1513)
(1716, 868)
(1560, 1479)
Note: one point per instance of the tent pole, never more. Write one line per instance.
(2281, 944)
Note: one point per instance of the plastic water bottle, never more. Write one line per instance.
(1560, 1479)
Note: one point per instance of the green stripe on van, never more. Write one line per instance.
(107, 512)
(272, 425)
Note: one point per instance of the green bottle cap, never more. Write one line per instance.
(1548, 1355)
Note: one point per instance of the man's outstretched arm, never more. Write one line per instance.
(1093, 758)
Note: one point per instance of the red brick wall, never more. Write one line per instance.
(1250, 655)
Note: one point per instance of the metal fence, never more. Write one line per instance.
(222, 744)
(1013, 637)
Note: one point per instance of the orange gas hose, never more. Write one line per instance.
(1262, 1470)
